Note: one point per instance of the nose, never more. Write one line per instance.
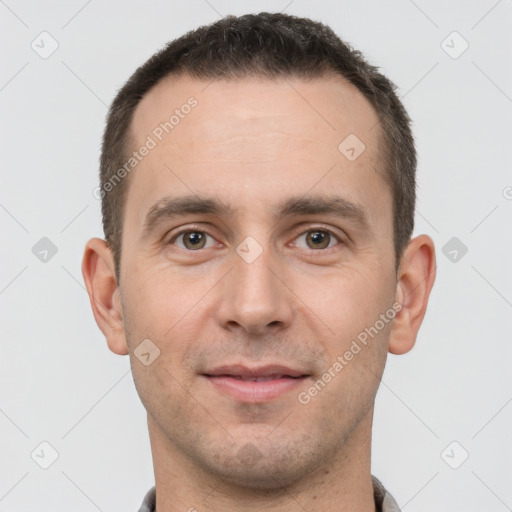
(254, 296)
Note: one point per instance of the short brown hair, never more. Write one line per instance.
(267, 45)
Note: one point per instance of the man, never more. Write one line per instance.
(258, 190)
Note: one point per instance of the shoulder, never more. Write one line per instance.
(149, 503)
(383, 499)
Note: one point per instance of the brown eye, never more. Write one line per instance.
(318, 239)
(191, 240)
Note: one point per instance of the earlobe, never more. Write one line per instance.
(100, 281)
(415, 281)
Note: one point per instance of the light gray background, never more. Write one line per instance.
(59, 382)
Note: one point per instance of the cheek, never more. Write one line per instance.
(356, 349)
(353, 299)
(162, 393)
(159, 298)
(353, 372)
(163, 307)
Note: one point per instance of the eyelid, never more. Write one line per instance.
(331, 232)
(303, 231)
(188, 229)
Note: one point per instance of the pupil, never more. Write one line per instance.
(318, 237)
(195, 238)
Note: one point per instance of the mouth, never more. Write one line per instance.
(255, 385)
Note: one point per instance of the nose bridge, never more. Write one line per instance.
(254, 278)
(253, 296)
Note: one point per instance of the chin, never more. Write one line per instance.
(261, 478)
(263, 466)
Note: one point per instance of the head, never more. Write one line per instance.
(263, 217)
(269, 46)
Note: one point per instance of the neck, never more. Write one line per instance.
(343, 483)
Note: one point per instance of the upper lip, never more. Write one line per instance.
(273, 370)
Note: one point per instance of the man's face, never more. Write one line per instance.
(206, 301)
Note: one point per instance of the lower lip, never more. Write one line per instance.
(255, 391)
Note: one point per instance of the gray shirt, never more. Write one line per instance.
(383, 500)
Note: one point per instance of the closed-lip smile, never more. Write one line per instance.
(256, 384)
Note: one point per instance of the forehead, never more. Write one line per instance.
(228, 109)
(254, 139)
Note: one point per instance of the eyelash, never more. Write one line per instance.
(197, 229)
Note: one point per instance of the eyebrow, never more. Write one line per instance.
(169, 208)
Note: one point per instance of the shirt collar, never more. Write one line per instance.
(383, 500)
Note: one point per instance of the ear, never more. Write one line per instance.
(416, 276)
(100, 281)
